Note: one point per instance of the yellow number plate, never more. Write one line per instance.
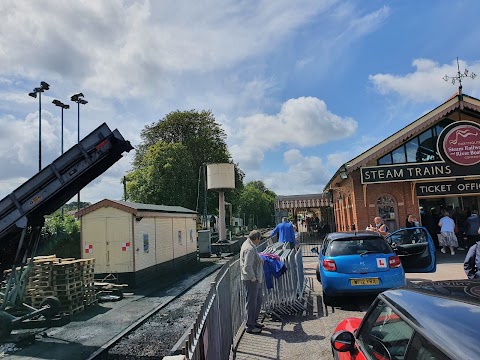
(364, 281)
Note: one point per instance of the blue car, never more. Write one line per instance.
(365, 262)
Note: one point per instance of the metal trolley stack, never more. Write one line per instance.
(289, 295)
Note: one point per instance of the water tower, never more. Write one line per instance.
(221, 177)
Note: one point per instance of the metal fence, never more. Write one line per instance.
(307, 242)
(287, 296)
(220, 318)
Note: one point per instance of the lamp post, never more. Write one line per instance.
(38, 90)
(78, 98)
(62, 106)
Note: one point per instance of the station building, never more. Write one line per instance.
(433, 162)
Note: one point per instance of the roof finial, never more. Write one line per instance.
(459, 77)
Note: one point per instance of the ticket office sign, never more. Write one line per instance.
(458, 187)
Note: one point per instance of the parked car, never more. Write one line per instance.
(426, 321)
(364, 262)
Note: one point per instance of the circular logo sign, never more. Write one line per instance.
(462, 144)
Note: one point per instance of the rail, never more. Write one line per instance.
(221, 319)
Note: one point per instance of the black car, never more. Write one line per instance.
(437, 320)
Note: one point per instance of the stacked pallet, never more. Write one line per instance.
(69, 280)
(88, 278)
(40, 283)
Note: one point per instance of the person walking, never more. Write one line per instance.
(473, 225)
(447, 236)
(251, 267)
(285, 231)
(297, 237)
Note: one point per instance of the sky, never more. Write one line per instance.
(300, 87)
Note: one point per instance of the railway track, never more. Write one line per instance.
(144, 325)
(109, 329)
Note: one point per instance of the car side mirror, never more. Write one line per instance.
(315, 250)
(343, 341)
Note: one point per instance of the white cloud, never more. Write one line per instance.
(302, 122)
(303, 175)
(429, 75)
(136, 61)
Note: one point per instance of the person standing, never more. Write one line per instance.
(212, 222)
(297, 237)
(285, 231)
(473, 225)
(251, 267)
(410, 221)
(471, 264)
(379, 227)
(447, 232)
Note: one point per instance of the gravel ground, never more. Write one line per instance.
(156, 337)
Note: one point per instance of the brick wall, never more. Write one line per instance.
(361, 216)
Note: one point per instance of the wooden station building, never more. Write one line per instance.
(433, 162)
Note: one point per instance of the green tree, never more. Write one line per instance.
(204, 141)
(164, 176)
(257, 203)
(60, 236)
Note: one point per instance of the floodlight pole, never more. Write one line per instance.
(38, 90)
(39, 131)
(78, 98)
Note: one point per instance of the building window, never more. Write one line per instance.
(422, 148)
(386, 160)
(398, 155)
(145, 243)
(386, 209)
(411, 148)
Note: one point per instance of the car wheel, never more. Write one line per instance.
(317, 272)
(328, 300)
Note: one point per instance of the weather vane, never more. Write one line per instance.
(459, 76)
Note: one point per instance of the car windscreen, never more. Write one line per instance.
(358, 245)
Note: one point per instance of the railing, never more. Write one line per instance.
(287, 295)
(219, 319)
(307, 242)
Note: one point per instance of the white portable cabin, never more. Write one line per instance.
(136, 242)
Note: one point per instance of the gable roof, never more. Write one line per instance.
(133, 208)
(459, 102)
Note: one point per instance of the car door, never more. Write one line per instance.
(415, 248)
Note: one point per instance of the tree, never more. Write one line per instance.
(204, 142)
(165, 176)
(257, 201)
(60, 236)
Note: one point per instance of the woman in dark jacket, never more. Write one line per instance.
(410, 221)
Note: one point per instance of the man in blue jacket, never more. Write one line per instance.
(285, 232)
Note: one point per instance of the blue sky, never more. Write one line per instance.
(300, 87)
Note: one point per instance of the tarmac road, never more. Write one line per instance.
(308, 337)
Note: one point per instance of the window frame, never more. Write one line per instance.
(367, 319)
(434, 133)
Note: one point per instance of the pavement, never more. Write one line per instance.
(308, 336)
